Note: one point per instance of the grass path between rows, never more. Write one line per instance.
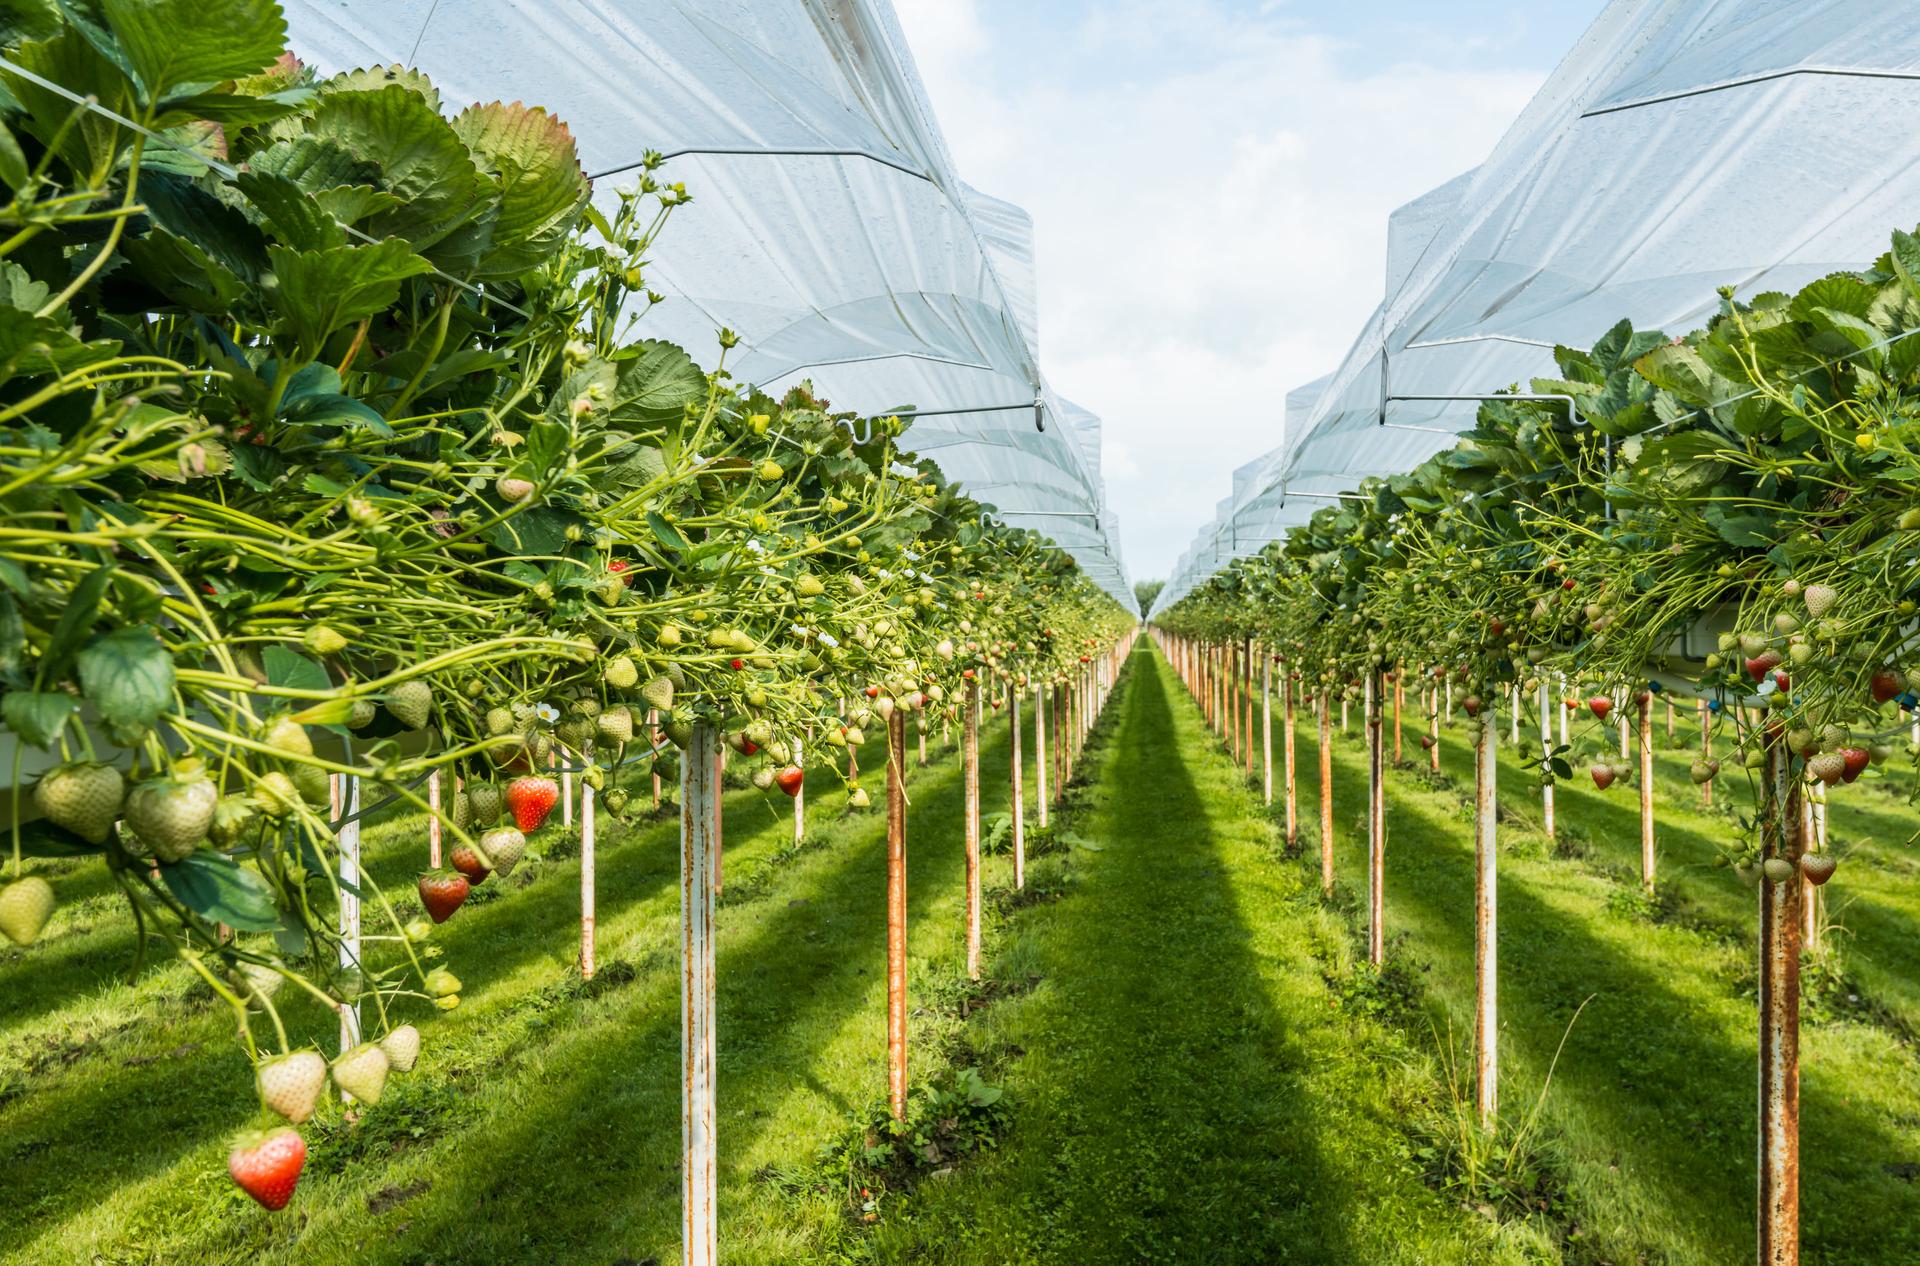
(1190, 1090)
(1649, 1134)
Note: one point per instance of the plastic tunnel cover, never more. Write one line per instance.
(829, 229)
(1667, 156)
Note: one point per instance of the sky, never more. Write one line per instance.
(1210, 182)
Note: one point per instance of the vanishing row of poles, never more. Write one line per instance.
(1064, 716)
(1220, 675)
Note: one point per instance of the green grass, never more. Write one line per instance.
(1196, 1067)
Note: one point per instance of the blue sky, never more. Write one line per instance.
(1210, 182)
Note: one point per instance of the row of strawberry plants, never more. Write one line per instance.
(1725, 516)
(329, 448)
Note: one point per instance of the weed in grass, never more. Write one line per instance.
(1504, 1169)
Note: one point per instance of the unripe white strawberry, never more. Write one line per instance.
(291, 1084)
(83, 797)
(362, 1072)
(402, 1047)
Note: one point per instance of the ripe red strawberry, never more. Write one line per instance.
(1885, 685)
(267, 1166)
(1782, 682)
(468, 863)
(1600, 706)
(1472, 705)
(1573, 705)
(1603, 776)
(1857, 758)
(1817, 867)
(873, 692)
(1758, 666)
(442, 892)
(530, 800)
(83, 797)
(791, 779)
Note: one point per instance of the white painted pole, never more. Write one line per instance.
(1019, 797)
(349, 841)
(1040, 747)
(1266, 726)
(586, 881)
(433, 820)
(699, 788)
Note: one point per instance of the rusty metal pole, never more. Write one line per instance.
(1266, 729)
(1058, 712)
(1376, 819)
(1289, 778)
(653, 729)
(800, 796)
(1706, 749)
(1399, 706)
(719, 814)
(1646, 790)
(1433, 730)
(970, 758)
(1780, 922)
(1040, 749)
(1546, 740)
(587, 902)
(1325, 708)
(897, 914)
(1486, 944)
(699, 786)
(1019, 793)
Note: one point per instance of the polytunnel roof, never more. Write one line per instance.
(1683, 145)
(829, 229)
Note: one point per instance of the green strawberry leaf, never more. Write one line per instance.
(668, 534)
(128, 677)
(320, 291)
(218, 888)
(82, 606)
(293, 670)
(37, 715)
(170, 44)
(541, 185)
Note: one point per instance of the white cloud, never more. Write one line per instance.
(1210, 193)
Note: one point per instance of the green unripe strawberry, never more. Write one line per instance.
(276, 795)
(313, 785)
(82, 797)
(594, 777)
(574, 732)
(362, 1072)
(25, 906)
(1778, 870)
(460, 812)
(586, 707)
(658, 694)
(505, 846)
(364, 711)
(440, 982)
(666, 767)
(678, 732)
(322, 639)
(616, 725)
(402, 1047)
(669, 635)
(808, 585)
(411, 704)
(620, 673)
(484, 798)
(286, 735)
(617, 800)
(171, 814)
(500, 722)
(771, 471)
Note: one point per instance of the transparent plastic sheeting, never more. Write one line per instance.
(829, 229)
(1683, 145)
